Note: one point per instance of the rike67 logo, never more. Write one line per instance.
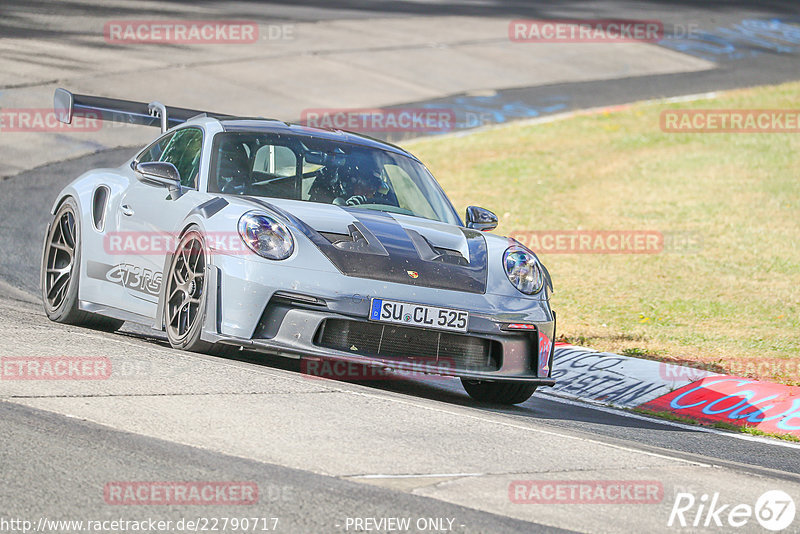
(774, 510)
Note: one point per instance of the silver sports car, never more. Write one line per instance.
(230, 232)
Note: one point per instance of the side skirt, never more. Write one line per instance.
(115, 313)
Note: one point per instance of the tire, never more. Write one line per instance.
(60, 272)
(185, 296)
(498, 392)
(187, 336)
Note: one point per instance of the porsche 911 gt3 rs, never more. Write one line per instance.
(309, 243)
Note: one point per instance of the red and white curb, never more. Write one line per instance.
(626, 382)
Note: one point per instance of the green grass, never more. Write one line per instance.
(733, 296)
(669, 416)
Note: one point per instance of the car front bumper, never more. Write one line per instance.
(286, 313)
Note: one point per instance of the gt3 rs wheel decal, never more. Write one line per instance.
(60, 259)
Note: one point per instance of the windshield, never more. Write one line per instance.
(329, 172)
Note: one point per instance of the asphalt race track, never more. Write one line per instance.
(322, 453)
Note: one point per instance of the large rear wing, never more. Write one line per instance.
(67, 105)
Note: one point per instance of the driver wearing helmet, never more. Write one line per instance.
(362, 183)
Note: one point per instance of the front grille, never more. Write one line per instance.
(402, 343)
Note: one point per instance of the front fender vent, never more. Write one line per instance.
(99, 204)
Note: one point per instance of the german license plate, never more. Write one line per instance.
(391, 311)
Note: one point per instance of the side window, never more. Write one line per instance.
(184, 151)
(154, 151)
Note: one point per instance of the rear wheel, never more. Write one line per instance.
(60, 272)
(498, 392)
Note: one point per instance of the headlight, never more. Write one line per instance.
(523, 270)
(265, 236)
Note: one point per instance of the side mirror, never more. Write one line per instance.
(481, 219)
(159, 173)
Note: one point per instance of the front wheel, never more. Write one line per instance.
(185, 302)
(186, 298)
(498, 392)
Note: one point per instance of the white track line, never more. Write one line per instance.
(433, 475)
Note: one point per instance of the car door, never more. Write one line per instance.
(151, 215)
